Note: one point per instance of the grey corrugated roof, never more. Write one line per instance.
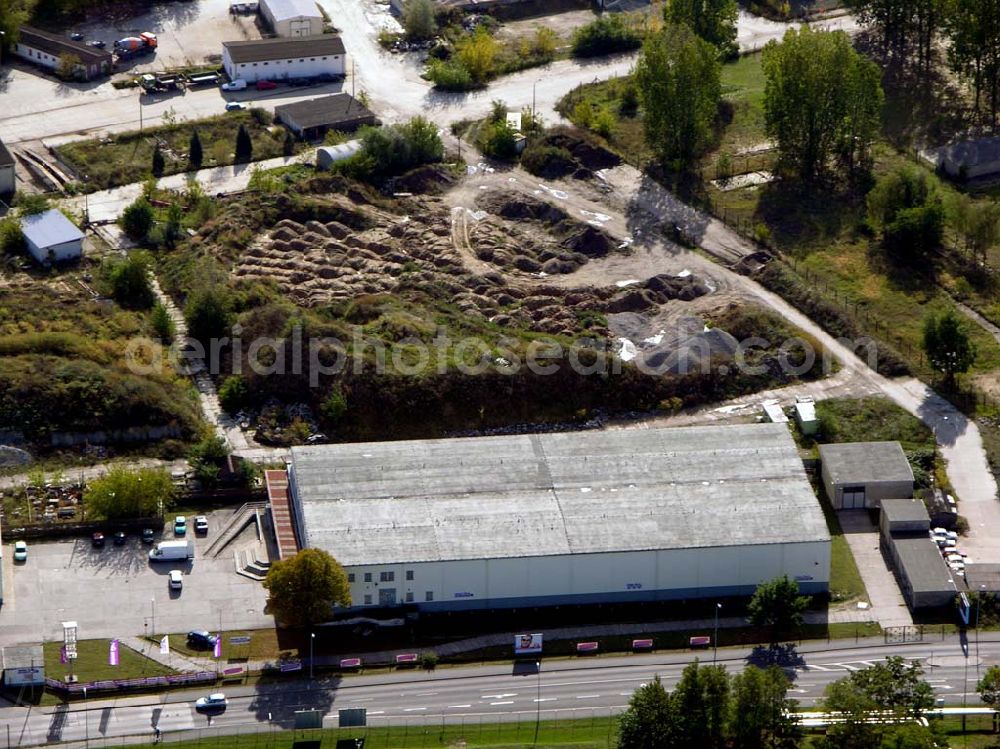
(23, 656)
(6, 159)
(861, 462)
(983, 577)
(58, 45)
(922, 563)
(549, 494)
(283, 10)
(49, 228)
(284, 48)
(905, 511)
(324, 110)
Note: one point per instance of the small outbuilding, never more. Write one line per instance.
(313, 118)
(48, 50)
(805, 415)
(924, 578)
(975, 158)
(7, 174)
(292, 17)
(327, 156)
(23, 666)
(51, 237)
(859, 475)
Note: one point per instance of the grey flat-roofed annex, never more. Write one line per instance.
(922, 564)
(555, 494)
(905, 511)
(862, 462)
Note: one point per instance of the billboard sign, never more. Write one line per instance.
(240, 640)
(352, 717)
(528, 644)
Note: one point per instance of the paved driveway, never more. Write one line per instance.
(116, 592)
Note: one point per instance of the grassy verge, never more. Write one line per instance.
(91, 663)
(128, 157)
(264, 645)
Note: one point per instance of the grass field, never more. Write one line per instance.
(128, 157)
(91, 663)
(263, 645)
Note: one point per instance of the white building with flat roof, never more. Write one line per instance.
(566, 518)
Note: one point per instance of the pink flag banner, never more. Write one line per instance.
(62, 655)
(217, 648)
(113, 653)
(165, 645)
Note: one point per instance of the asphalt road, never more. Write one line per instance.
(561, 689)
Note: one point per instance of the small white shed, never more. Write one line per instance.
(51, 237)
(326, 156)
(292, 17)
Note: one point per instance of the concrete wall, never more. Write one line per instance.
(7, 183)
(618, 576)
(875, 491)
(58, 253)
(278, 70)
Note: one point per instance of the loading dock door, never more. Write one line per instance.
(300, 28)
(854, 498)
(387, 597)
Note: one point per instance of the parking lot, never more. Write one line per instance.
(114, 591)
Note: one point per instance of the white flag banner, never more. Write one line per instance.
(165, 645)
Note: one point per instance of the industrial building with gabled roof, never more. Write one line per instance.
(45, 49)
(313, 118)
(284, 58)
(543, 519)
(291, 18)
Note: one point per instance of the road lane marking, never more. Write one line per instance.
(376, 712)
(425, 694)
(498, 696)
(587, 696)
(546, 699)
(503, 702)
(457, 706)
(412, 709)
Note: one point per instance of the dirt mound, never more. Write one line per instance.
(520, 206)
(430, 179)
(585, 148)
(587, 239)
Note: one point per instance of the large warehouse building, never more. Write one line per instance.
(534, 520)
(282, 59)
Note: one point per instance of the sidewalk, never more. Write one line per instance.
(172, 660)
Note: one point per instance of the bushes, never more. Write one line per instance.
(129, 281)
(11, 238)
(209, 313)
(392, 150)
(608, 34)
(547, 161)
(163, 326)
(419, 22)
(905, 205)
(137, 219)
(497, 140)
(233, 393)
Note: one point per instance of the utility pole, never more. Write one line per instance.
(86, 718)
(312, 642)
(715, 637)
(152, 618)
(538, 699)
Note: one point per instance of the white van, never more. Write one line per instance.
(238, 85)
(170, 551)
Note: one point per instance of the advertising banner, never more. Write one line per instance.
(528, 644)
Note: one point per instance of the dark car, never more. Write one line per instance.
(76, 36)
(148, 535)
(97, 540)
(300, 82)
(119, 538)
(200, 639)
(97, 44)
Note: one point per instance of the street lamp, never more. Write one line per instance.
(979, 602)
(715, 637)
(538, 699)
(152, 618)
(312, 642)
(86, 718)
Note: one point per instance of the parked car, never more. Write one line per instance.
(238, 85)
(148, 535)
(119, 538)
(235, 106)
(201, 524)
(97, 44)
(97, 540)
(76, 36)
(176, 579)
(300, 82)
(180, 525)
(215, 701)
(266, 85)
(200, 639)
(20, 551)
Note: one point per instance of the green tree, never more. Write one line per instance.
(650, 720)
(947, 345)
(126, 493)
(607, 34)
(68, 67)
(303, 589)
(419, 22)
(129, 280)
(158, 163)
(989, 691)
(163, 326)
(678, 81)
(973, 29)
(701, 701)
(763, 716)
(233, 393)
(821, 98)
(777, 605)
(208, 312)
(196, 154)
(335, 405)
(712, 20)
(394, 149)
(902, 26)
(497, 140)
(207, 457)
(137, 219)
(244, 146)
(478, 54)
(977, 222)
(906, 207)
(29, 204)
